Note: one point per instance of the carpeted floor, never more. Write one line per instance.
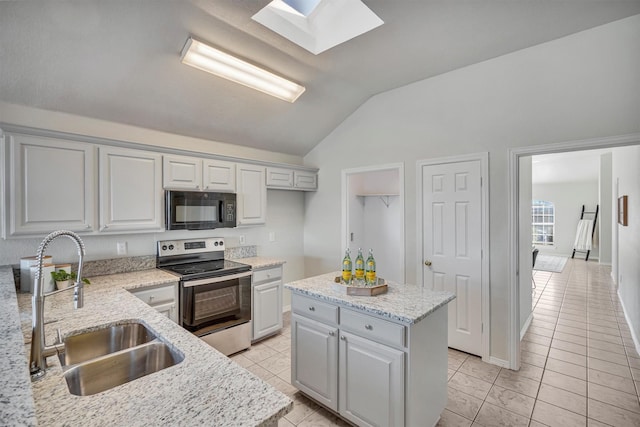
(555, 264)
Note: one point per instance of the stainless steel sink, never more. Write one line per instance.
(100, 360)
(89, 345)
(110, 371)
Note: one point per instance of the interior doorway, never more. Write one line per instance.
(518, 248)
(373, 216)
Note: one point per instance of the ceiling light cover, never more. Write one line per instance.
(206, 58)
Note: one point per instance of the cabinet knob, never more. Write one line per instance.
(88, 226)
(151, 297)
(427, 263)
(343, 338)
(106, 226)
(369, 327)
(312, 308)
(332, 333)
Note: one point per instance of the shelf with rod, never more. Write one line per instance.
(384, 197)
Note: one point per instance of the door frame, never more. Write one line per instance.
(346, 173)
(514, 154)
(483, 158)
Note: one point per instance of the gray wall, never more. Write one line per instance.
(581, 86)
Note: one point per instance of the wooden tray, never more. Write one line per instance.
(355, 290)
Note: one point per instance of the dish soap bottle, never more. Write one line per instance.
(371, 270)
(346, 267)
(360, 266)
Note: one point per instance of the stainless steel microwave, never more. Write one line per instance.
(199, 210)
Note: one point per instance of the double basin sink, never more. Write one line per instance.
(105, 358)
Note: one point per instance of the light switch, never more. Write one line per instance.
(272, 236)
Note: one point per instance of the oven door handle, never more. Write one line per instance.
(211, 280)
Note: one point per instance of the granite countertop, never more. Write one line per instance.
(403, 303)
(206, 388)
(257, 262)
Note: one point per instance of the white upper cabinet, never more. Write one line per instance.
(291, 179)
(131, 195)
(51, 185)
(181, 172)
(192, 173)
(251, 195)
(218, 175)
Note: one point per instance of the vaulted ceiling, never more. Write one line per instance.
(119, 60)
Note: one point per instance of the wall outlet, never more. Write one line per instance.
(272, 236)
(242, 239)
(121, 248)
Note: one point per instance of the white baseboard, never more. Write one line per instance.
(286, 308)
(526, 325)
(634, 333)
(499, 362)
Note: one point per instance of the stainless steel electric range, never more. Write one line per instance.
(215, 294)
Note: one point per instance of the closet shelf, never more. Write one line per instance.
(382, 196)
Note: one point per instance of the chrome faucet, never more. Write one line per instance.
(39, 349)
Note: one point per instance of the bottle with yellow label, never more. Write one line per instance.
(370, 268)
(346, 267)
(359, 267)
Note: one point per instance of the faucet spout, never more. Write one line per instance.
(39, 349)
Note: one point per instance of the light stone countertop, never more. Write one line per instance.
(206, 388)
(403, 303)
(260, 262)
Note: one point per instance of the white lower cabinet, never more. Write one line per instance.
(164, 298)
(314, 360)
(371, 371)
(371, 384)
(267, 301)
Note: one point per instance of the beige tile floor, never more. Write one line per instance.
(579, 364)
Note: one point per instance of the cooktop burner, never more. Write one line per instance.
(207, 268)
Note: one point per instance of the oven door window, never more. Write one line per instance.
(218, 303)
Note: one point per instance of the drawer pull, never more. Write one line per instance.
(312, 308)
(369, 327)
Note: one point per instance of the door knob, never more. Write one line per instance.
(427, 263)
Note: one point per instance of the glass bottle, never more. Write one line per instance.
(370, 268)
(360, 266)
(346, 267)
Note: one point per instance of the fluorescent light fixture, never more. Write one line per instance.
(206, 58)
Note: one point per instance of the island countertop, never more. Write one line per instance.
(206, 388)
(404, 303)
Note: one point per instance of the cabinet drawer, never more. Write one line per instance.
(371, 327)
(312, 308)
(267, 274)
(156, 296)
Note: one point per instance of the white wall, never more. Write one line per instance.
(568, 198)
(626, 169)
(606, 208)
(581, 86)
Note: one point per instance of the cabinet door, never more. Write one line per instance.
(251, 195)
(131, 195)
(314, 360)
(371, 382)
(181, 172)
(218, 175)
(305, 180)
(51, 185)
(267, 309)
(279, 178)
(168, 310)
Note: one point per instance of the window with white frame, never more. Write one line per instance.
(542, 222)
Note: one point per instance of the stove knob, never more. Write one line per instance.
(171, 247)
(164, 247)
(221, 243)
(215, 244)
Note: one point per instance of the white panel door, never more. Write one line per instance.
(314, 360)
(251, 195)
(371, 388)
(452, 244)
(181, 172)
(218, 175)
(131, 195)
(267, 309)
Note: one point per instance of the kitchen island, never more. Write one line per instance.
(206, 388)
(376, 360)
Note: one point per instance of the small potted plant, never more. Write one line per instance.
(62, 278)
